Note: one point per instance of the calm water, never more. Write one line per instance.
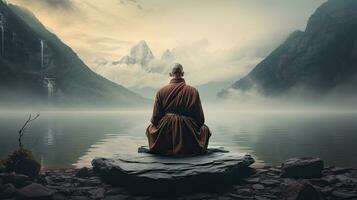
(67, 139)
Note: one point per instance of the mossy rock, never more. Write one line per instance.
(23, 162)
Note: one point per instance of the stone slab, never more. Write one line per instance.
(144, 172)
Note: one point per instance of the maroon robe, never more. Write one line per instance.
(177, 124)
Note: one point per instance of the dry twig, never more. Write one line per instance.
(23, 129)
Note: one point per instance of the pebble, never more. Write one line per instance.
(116, 197)
(261, 198)
(239, 196)
(269, 182)
(244, 191)
(58, 196)
(339, 170)
(258, 187)
(344, 194)
(252, 180)
(224, 198)
(115, 191)
(97, 193)
(80, 198)
(35, 191)
(330, 179)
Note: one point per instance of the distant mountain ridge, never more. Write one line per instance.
(208, 91)
(35, 59)
(317, 61)
(142, 56)
(139, 54)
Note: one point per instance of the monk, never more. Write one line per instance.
(177, 125)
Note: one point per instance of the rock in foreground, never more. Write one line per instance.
(147, 172)
(300, 190)
(265, 184)
(35, 191)
(302, 168)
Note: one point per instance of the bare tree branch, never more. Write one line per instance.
(23, 128)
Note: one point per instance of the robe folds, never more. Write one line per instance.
(177, 125)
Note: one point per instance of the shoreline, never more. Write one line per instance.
(264, 184)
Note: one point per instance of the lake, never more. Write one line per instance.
(72, 139)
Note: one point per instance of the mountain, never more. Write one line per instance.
(320, 60)
(147, 92)
(142, 56)
(36, 65)
(208, 91)
(168, 56)
(139, 54)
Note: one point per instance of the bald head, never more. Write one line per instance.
(176, 70)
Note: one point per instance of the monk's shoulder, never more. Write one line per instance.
(163, 90)
(191, 89)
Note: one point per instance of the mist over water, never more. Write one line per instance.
(271, 131)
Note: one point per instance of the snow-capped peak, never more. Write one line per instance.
(167, 56)
(141, 53)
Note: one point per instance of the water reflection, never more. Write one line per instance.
(110, 146)
(68, 139)
(274, 137)
(59, 139)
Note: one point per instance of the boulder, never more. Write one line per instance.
(17, 180)
(29, 167)
(300, 190)
(23, 162)
(302, 168)
(97, 193)
(147, 173)
(7, 191)
(83, 172)
(35, 191)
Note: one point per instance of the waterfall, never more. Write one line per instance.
(2, 38)
(13, 37)
(50, 85)
(49, 80)
(50, 88)
(2, 22)
(42, 52)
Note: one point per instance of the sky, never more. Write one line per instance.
(219, 40)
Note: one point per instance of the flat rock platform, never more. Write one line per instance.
(148, 173)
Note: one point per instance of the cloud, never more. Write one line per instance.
(201, 66)
(54, 4)
(105, 44)
(132, 76)
(134, 3)
(239, 33)
(64, 4)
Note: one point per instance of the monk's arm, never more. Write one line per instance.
(158, 111)
(200, 117)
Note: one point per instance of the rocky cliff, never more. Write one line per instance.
(320, 60)
(36, 65)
